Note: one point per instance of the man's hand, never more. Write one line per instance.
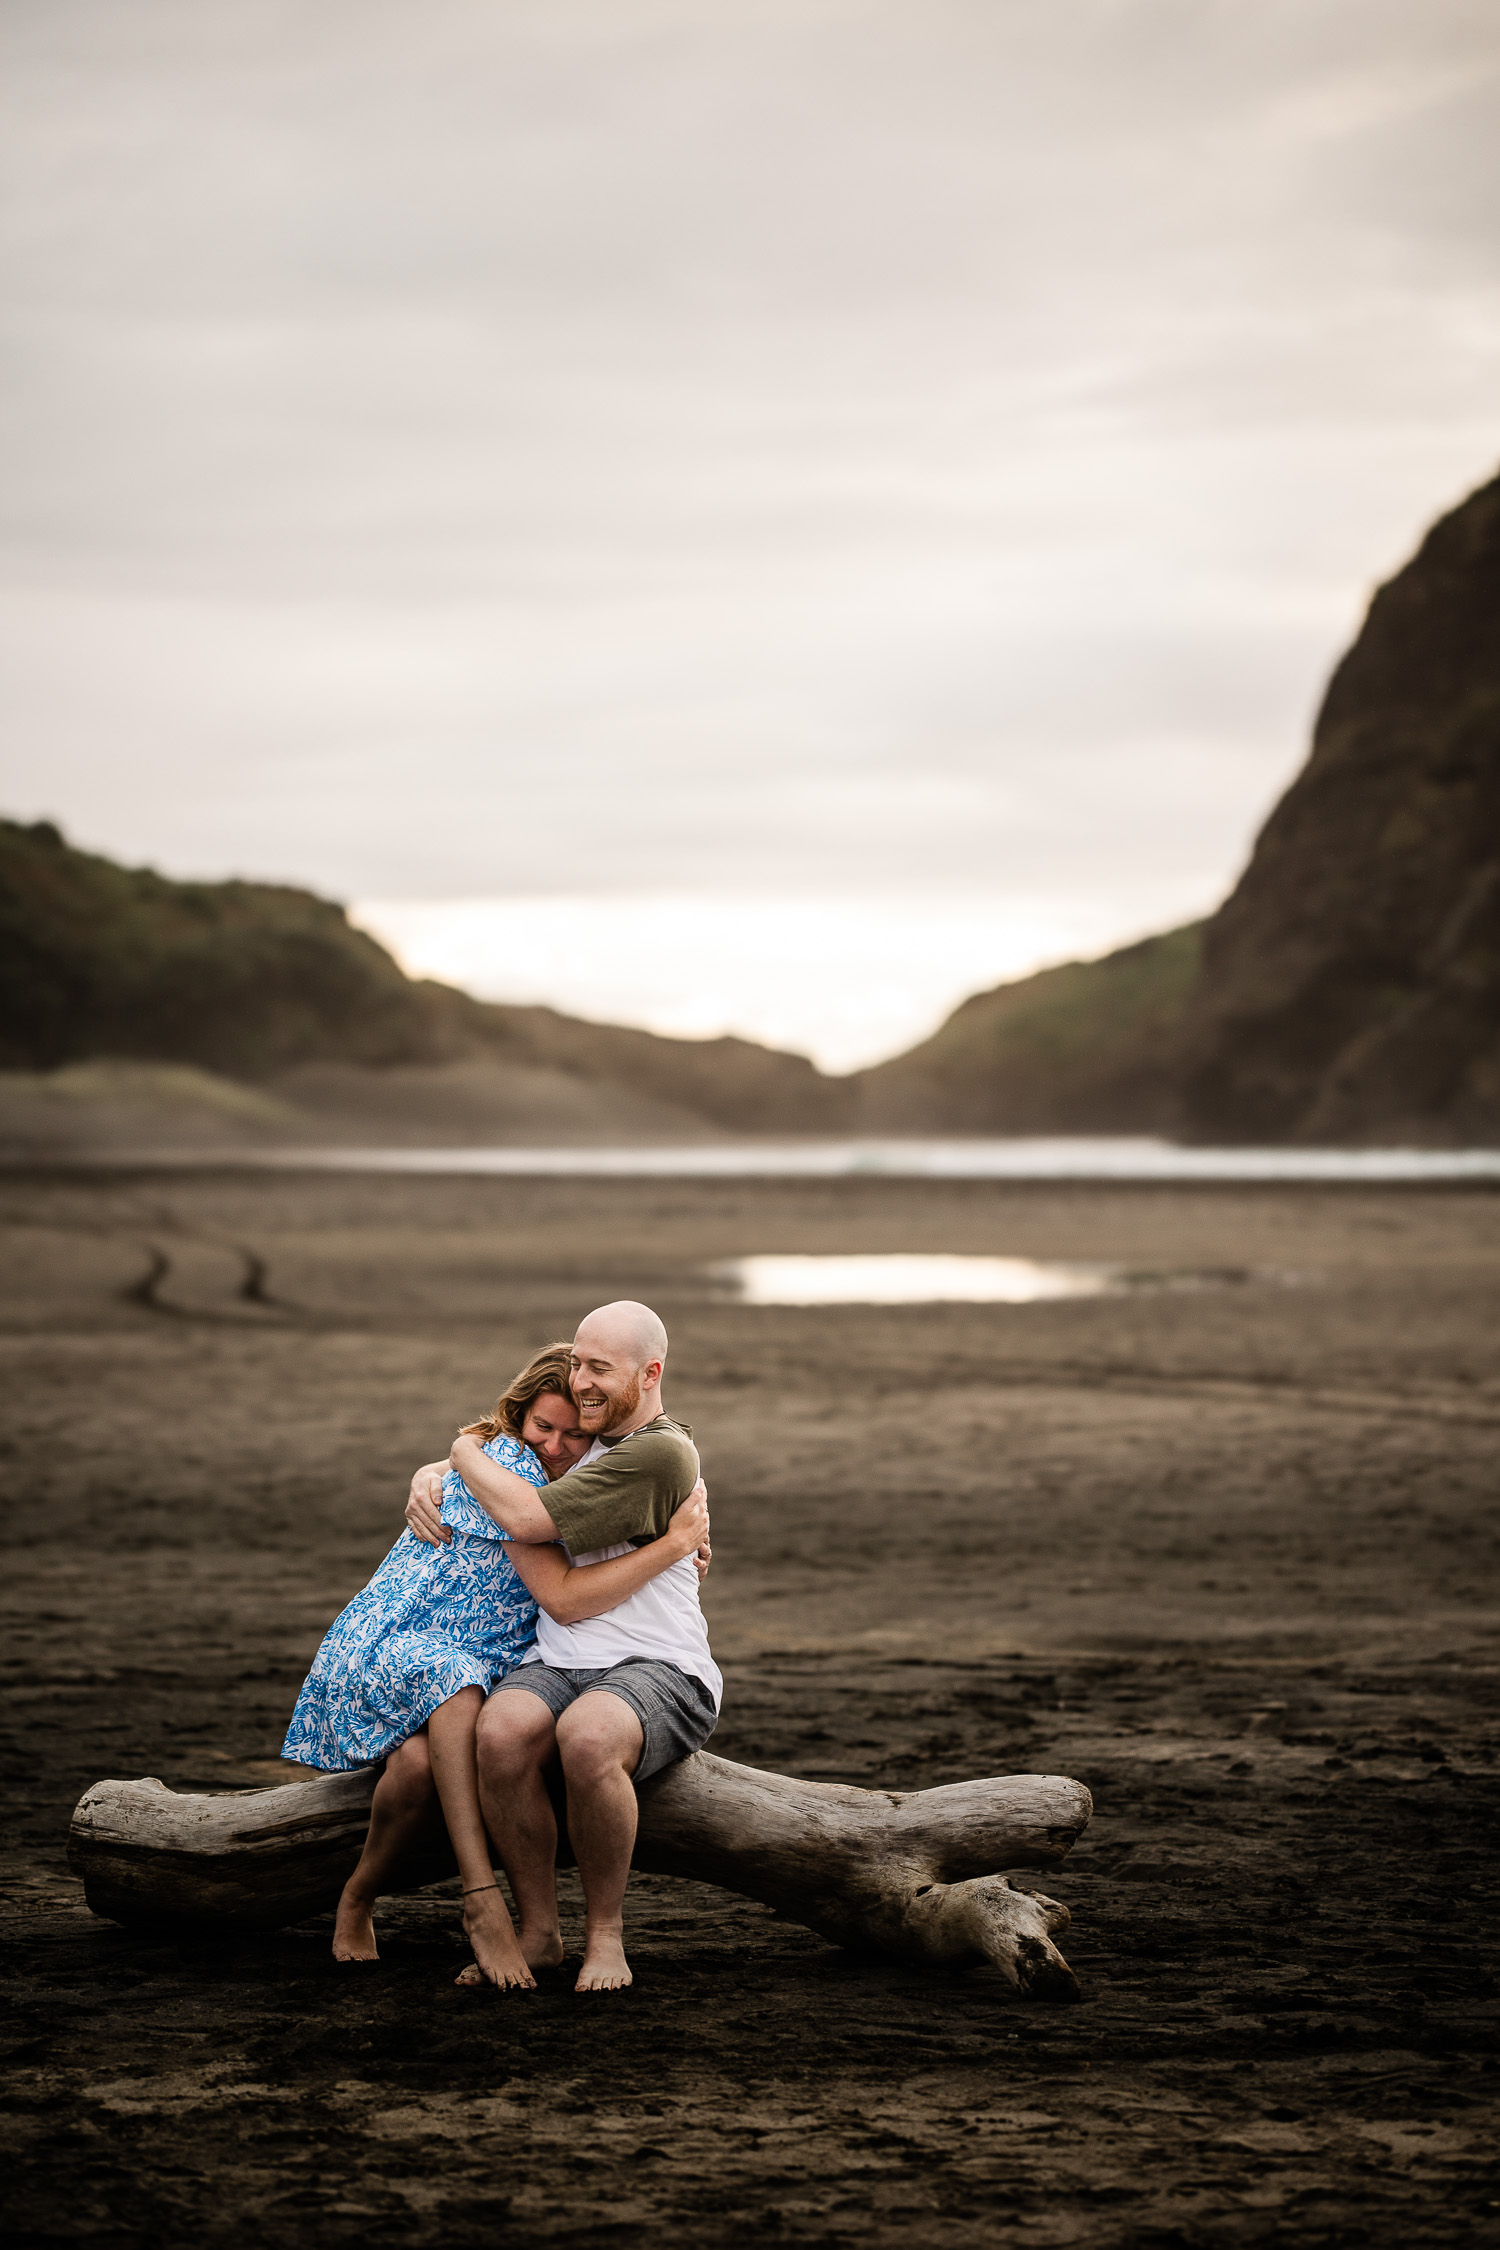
(705, 1552)
(424, 1505)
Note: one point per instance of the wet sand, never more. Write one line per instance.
(1226, 1553)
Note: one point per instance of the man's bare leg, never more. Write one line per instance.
(516, 1741)
(600, 1740)
(487, 1922)
(404, 1812)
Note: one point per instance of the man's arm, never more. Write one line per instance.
(629, 1492)
(568, 1591)
(513, 1503)
(423, 1513)
(518, 1507)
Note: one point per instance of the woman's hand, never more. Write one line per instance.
(424, 1505)
(703, 1554)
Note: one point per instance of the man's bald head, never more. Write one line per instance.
(618, 1356)
(627, 1330)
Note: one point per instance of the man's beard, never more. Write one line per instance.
(618, 1410)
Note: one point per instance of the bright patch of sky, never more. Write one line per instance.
(845, 980)
(790, 466)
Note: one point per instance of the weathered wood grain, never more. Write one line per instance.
(918, 1873)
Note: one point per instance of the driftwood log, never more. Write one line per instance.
(918, 1874)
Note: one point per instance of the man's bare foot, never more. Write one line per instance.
(354, 1930)
(497, 1957)
(605, 1968)
(543, 1945)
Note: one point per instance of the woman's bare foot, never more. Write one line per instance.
(497, 1957)
(605, 1968)
(354, 1928)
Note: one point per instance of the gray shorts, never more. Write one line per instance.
(676, 1711)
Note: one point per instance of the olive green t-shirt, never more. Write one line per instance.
(630, 1493)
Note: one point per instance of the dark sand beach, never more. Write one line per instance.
(1226, 1552)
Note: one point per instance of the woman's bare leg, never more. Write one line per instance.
(487, 1922)
(403, 1810)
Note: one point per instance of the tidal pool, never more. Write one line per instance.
(908, 1278)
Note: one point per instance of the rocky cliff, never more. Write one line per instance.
(1350, 986)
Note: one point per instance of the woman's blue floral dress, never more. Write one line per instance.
(431, 1621)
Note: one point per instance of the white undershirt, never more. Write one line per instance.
(663, 1621)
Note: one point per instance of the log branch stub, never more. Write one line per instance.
(918, 1874)
(915, 1873)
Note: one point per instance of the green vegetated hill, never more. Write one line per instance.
(244, 978)
(131, 1006)
(138, 1010)
(1084, 1048)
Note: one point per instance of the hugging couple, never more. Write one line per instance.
(540, 1613)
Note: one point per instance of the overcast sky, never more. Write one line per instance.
(920, 456)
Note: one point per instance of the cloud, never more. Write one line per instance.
(830, 447)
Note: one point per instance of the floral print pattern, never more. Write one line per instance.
(431, 1621)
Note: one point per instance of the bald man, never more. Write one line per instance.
(611, 1699)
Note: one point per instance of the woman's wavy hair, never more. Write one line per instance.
(549, 1371)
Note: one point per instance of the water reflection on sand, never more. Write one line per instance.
(1093, 1159)
(905, 1278)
